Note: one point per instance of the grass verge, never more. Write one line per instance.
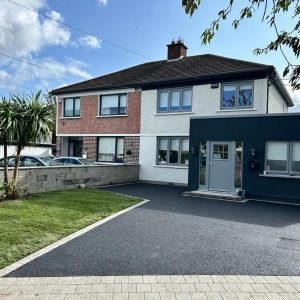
(30, 224)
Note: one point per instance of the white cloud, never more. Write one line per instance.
(89, 41)
(23, 32)
(102, 2)
(17, 74)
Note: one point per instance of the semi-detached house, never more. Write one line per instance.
(141, 115)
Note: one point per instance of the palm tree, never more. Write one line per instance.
(8, 119)
(34, 123)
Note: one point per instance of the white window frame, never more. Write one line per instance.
(237, 90)
(169, 91)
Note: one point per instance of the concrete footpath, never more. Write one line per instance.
(152, 287)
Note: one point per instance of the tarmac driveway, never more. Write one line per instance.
(174, 234)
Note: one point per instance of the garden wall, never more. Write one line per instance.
(44, 179)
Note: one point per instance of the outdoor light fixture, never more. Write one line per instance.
(214, 85)
(253, 151)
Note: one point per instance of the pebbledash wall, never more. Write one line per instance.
(46, 179)
(90, 125)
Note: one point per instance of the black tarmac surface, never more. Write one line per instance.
(174, 234)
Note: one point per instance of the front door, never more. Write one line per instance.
(220, 166)
(75, 147)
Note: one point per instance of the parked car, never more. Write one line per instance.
(71, 160)
(31, 161)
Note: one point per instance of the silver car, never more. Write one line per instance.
(71, 160)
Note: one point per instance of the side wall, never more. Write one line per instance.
(45, 179)
(253, 131)
(276, 102)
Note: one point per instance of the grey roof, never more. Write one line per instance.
(188, 69)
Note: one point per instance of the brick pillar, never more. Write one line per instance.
(58, 146)
(131, 143)
(90, 146)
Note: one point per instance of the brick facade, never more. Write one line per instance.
(132, 144)
(58, 146)
(91, 123)
(90, 146)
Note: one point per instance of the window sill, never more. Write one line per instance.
(236, 109)
(65, 118)
(174, 113)
(171, 166)
(280, 176)
(112, 116)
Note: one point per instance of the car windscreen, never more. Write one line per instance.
(86, 162)
(49, 161)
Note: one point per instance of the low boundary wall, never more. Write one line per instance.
(44, 179)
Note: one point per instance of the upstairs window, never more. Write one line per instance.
(237, 95)
(72, 107)
(175, 100)
(113, 105)
(283, 157)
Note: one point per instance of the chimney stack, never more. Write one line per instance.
(177, 49)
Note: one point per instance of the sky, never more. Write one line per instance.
(113, 35)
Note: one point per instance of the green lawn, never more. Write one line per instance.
(33, 223)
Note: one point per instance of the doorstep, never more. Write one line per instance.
(215, 195)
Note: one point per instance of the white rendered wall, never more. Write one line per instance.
(206, 102)
(276, 102)
(152, 172)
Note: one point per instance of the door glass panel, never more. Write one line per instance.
(238, 164)
(203, 162)
(174, 150)
(277, 153)
(296, 157)
(220, 151)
